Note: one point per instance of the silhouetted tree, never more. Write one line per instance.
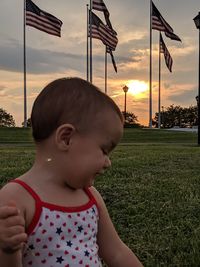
(177, 116)
(6, 119)
(131, 120)
(28, 123)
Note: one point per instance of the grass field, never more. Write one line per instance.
(152, 191)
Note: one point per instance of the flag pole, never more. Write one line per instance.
(150, 70)
(105, 69)
(91, 41)
(159, 83)
(87, 59)
(25, 101)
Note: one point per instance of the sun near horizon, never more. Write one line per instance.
(137, 88)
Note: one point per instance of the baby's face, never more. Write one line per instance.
(88, 155)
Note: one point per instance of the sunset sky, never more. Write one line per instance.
(50, 57)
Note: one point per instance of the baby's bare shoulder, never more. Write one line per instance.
(13, 192)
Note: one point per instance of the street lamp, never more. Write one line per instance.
(125, 89)
(162, 116)
(197, 23)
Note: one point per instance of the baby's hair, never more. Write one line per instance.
(68, 100)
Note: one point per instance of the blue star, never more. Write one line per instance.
(58, 230)
(80, 228)
(31, 247)
(87, 253)
(93, 210)
(69, 243)
(59, 259)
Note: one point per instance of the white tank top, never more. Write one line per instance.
(62, 236)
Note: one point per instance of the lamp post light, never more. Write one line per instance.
(125, 89)
(197, 24)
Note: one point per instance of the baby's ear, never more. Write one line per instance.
(63, 135)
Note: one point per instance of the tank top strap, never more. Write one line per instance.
(91, 196)
(28, 189)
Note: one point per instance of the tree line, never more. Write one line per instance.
(177, 116)
(170, 116)
(6, 119)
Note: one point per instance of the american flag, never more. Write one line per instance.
(109, 51)
(160, 24)
(172, 36)
(100, 6)
(167, 56)
(103, 32)
(41, 20)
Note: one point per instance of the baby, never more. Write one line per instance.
(55, 208)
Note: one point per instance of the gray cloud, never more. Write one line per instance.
(184, 97)
(46, 61)
(38, 60)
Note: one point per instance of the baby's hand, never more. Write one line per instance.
(12, 228)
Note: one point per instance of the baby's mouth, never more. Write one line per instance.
(100, 173)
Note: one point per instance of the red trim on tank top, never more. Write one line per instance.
(39, 204)
(89, 204)
(28, 188)
(91, 196)
(36, 217)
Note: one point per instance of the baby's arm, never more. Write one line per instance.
(11, 260)
(12, 230)
(12, 224)
(111, 248)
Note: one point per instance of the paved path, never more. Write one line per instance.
(193, 130)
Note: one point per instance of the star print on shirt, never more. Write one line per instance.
(69, 243)
(63, 237)
(60, 259)
(87, 253)
(58, 230)
(80, 228)
(31, 247)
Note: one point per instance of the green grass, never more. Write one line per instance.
(15, 135)
(23, 135)
(152, 191)
(153, 196)
(158, 136)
